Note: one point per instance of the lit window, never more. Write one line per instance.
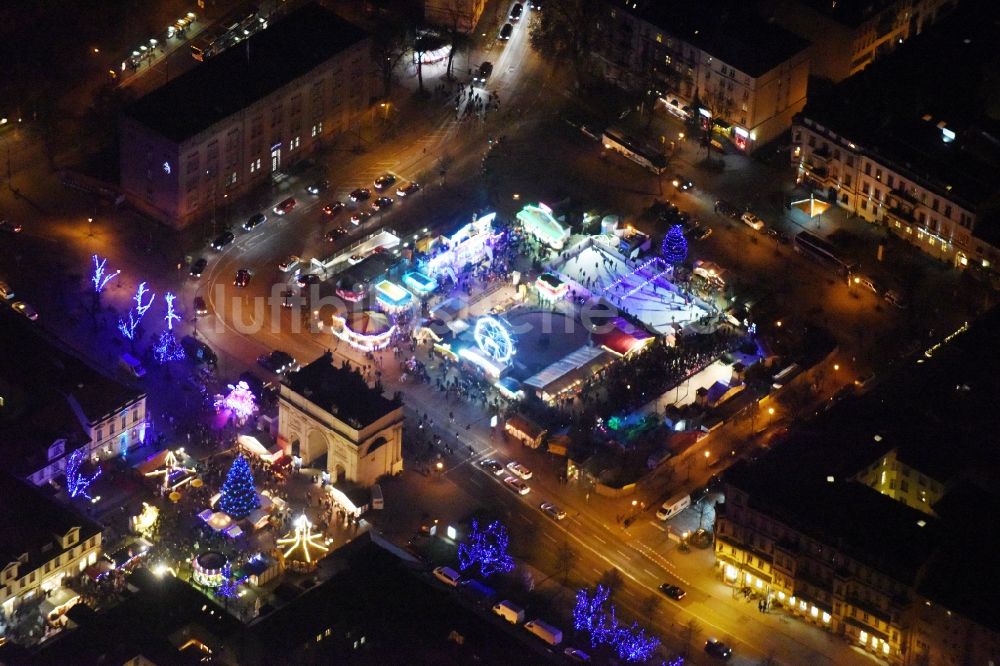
(826, 618)
(814, 611)
(803, 605)
(885, 648)
(863, 636)
(931, 241)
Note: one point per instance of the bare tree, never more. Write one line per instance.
(567, 32)
(612, 579)
(649, 605)
(566, 558)
(389, 47)
(689, 635)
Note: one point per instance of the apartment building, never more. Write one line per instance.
(870, 522)
(460, 15)
(326, 411)
(848, 35)
(53, 403)
(237, 121)
(911, 143)
(746, 84)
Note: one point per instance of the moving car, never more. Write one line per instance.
(242, 278)
(752, 221)
(492, 465)
(335, 234)
(516, 11)
(285, 206)
(895, 298)
(683, 183)
(25, 309)
(222, 240)
(517, 485)
(198, 267)
(384, 181)
(334, 208)
(200, 309)
(254, 221)
(360, 217)
(673, 591)
(288, 263)
(483, 72)
(407, 190)
(506, 30)
(307, 279)
(520, 470)
(10, 227)
(318, 186)
(553, 511)
(866, 282)
(361, 194)
(381, 203)
(718, 649)
(278, 362)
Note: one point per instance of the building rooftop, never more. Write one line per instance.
(32, 521)
(341, 391)
(896, 108)
(243, 74)
(755, 48)
(938, 411)
(42, 382)
(850, 13)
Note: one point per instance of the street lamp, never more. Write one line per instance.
(90, 227)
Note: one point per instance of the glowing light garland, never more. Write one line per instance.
(302, 539)
(594, 615)
(76, 482)
(239, 497)
(167, 348)
(487, 548)
(98, 278)
(136, 314)
(494, 339)
(675, 247)
(171, 316)
(240, 400)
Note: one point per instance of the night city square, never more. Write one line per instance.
(499, 332)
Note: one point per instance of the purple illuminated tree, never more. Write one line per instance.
(171, 316)
(634, 644)
(239, 496)
(675, 247)
(594, 615)
(487, 549)
(167, 348)
(77, 482)
(240, 400)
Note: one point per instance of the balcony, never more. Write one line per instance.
(903, 195)
(820, 155)
(902, 213)
(817, 172)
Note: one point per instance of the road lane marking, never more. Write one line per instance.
(600, 539)
(649, 572)
(622, 553)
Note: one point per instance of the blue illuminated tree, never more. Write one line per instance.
(675, 247)
(77, 483)
(230, 587)
(487, 548)
(135, 315)
(167, 348)
(171, 316)
(100, 276)
(594, 615)
(634, 644)
(239, 496)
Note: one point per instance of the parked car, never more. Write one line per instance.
(384, 181)
(198, 267)
(286, 206)
(222, 240)
(701, 232)
(381, 203)
(506, 31)
(278, 362)
(198, 351)
(492, 466)
(895, 298)
(6, 293)
(778, 235)
(361, 194)
(517, 485)
(25, 309)
(552, 511)
(407, 190)
(317, 187)
(11, 227)
(673, 591)
(683, 183)
(448, 576)
(483, 73)
(727, 209)
(752, 221)
(866, 282)
(332, 209)
(577, 655)
(307, 279)
(254, 221)
(520, 470)
(335, 234)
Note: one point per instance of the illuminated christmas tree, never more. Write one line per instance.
(167, 348)
(675, 247)
(239, 497)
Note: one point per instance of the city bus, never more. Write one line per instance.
(821, 251)
(616, 140)
(207, 44)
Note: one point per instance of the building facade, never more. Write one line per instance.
(42, 544)
(237, 121)
(849, 35)
(460, 15)
(328, 411)
(747, 85)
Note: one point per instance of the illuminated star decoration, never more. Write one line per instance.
(594, 615)
(171, 316)
(487, 548)
(99, 278)
(167, 348)
(76, 482)
(302, 539)
(240, 400)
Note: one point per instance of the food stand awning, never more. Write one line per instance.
(812, 206)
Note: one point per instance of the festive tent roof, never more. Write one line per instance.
(368, 322)
(812, 206)
(538, 221)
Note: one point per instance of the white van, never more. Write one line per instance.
(448, 576)
(673, 506)
(547, 632)
(509, 611)
(132, 366)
